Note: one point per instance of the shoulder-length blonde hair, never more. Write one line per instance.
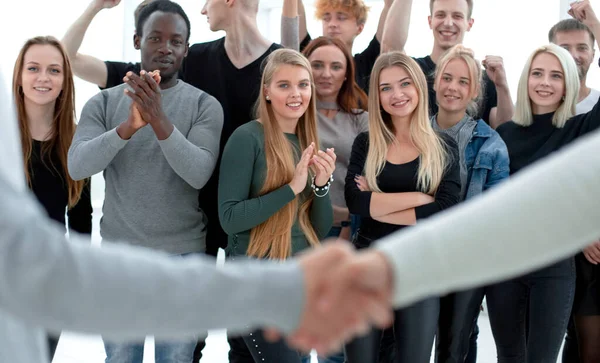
(459, 51)
(566, 110)
(63, 125)
(272, 238)
(433, 156)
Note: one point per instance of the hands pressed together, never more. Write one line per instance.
(346, 293)
(322, 164)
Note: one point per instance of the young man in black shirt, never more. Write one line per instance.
(449, 20)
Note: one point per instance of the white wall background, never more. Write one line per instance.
(510, 28)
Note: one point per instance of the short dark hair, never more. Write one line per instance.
(569, 25)
(166, 6)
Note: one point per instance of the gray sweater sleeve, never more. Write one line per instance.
(93, 146)
(290, 36)
(194, 158)
(125, 292)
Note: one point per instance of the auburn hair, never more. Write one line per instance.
(273, 237)
(63, 125)
(351, 98)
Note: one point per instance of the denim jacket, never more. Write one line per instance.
(486, 158)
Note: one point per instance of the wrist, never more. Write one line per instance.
(125, 131)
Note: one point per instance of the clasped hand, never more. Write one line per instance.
(322, 164)
(346, 293)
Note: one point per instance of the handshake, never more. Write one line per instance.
(346, 292)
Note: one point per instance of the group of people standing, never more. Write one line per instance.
(243, 144)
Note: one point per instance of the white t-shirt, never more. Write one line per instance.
(587, 103)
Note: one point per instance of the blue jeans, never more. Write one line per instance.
(164, 352)
(529, 314)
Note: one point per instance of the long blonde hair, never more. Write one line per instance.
(272, 238)
(63, 125)
(566, 110)
(433, 156)
(459, 51)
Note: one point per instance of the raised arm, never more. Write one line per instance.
(84, 66)
(504, 110)
(289, 25)
(392, 31)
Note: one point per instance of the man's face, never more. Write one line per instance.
(163, 43)
(215, 12)
(449, 22)
(580, 45)
(342, 25)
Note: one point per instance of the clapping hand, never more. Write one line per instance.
(323, 165)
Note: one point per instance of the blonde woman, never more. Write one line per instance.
(529, 314)
(274, 181)
(483, 164)
(400, 172)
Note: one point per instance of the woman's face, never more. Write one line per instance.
(546, 83)
(329, 68)
(42, 76)
(290, 91)
(398, 94)
(453, 88)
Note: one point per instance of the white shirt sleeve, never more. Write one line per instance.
(546, 212)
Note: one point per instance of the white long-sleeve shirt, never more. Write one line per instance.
(543, 214)
(122, 292)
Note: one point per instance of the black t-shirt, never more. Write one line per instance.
(208, 67)
(363, 61)
(488, 101)
(527, 145)
(398, 178)
(48, 183)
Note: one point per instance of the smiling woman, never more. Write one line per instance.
(44, 97)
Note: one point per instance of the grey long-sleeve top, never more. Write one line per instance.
(48, 283)
(151, 196)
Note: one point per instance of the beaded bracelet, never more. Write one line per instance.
(325, 187)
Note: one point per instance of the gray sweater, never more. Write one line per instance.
(151, 196)
(118, 291)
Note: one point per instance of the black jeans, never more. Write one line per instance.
(414, 330)
(52, 344)
(529, 314)
(267, 352)
(458, 317)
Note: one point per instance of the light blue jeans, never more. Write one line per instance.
(164, 352)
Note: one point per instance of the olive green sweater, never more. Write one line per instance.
(241, 207)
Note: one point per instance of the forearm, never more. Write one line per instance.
(386, 203)
(242, 215)
(86, 67)
(406, 217)
(394, 28)
(321, 215)
(182, 297)
(302, 29)
(289, 32)
(510, 230)
(89, 156)
(193, 163)
(504, 109)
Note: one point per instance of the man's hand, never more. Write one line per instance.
(592, 253)
(340, 303)
(147, 98)
(583, 11)
(494, 67)
(105, 4)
